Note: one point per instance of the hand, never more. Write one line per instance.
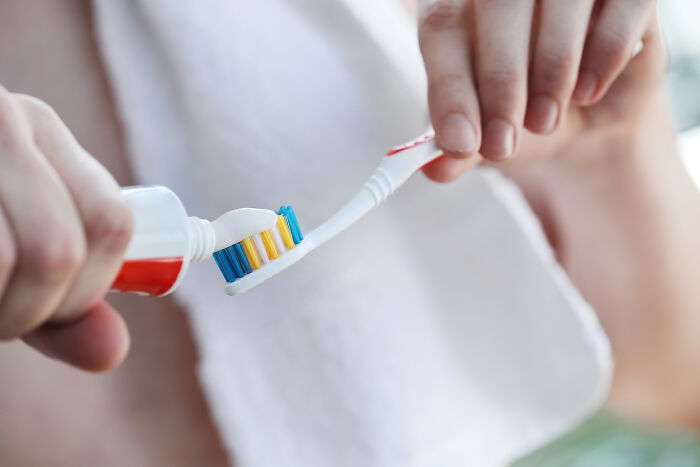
(64, 228)
(616, 205)
(496, 67)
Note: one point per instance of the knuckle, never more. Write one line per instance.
(451, 93)
(448, 84)
(441, 14)
(53, 255)
(38, 108)
(614, 44)
(503, 94)
(110, 225)
(503, 79)
(556, 69)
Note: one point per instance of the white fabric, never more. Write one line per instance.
(438, 331)
(690, 150)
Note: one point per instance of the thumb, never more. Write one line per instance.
(97, 341)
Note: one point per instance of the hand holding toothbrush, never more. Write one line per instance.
(601, 170)
(497, 67)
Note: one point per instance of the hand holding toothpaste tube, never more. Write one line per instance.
(64, 227)
(68, 234)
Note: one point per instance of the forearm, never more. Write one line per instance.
(631, 206)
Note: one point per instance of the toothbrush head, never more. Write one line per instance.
(260, 256)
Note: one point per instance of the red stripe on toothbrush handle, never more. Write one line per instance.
(150, 276)
(427, 137)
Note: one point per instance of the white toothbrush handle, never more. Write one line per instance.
(400, 164)
(393, 171)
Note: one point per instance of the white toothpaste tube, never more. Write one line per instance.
(165, 239)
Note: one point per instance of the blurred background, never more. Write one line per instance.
(680, 21)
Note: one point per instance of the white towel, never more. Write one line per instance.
(438, 331)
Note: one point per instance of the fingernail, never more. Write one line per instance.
(586, 86)
(456, 134)
(542, 114)
(499, 140)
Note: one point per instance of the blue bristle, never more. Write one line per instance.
(224, 265)
(294, 229)
(294, 225)
(238, 248)
(233, 262)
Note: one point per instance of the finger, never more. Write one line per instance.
(98, 341)
(535, 148)
(503, 42)
(558, 49)
(610, 46)
(454, 108)
(446, 169)
(44, 222)
(642, 76)
(105, 217)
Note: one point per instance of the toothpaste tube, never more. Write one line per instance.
(165, 239)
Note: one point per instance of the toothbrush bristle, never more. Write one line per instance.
(254, 252)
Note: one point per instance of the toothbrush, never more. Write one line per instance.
(397, 166)
(166, 240)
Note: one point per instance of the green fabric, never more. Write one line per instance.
(607, 441)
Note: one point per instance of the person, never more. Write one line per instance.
(600, 172)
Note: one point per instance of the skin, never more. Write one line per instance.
(605, 175)
(496, 67)
(149, 410)
(606, 181)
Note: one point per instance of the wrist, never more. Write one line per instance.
(625, 204)
(642, 146)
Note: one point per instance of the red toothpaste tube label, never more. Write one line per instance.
(149, 276)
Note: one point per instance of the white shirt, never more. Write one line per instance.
(438, 331)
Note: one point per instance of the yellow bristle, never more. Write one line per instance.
(269, 244)
(250, 253)
(284, 232)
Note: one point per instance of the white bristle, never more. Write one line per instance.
(277, 239)
(260, 246)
